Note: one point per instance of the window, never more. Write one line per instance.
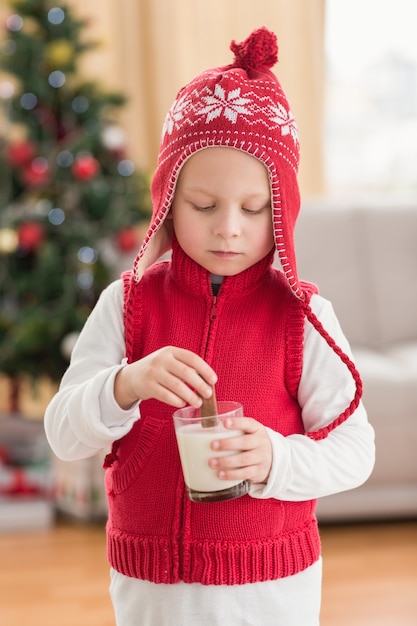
(371, 96)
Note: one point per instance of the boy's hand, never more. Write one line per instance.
(253, 452)
(172, 375)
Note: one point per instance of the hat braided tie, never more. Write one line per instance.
(323, 432)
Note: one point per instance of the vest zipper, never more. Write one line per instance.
(213, 310)
(212, 318)
(185, 511)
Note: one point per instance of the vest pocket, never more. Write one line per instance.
(132, 453)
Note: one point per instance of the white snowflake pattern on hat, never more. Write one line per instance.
(229, 105)
(285, 121)
(175, 115)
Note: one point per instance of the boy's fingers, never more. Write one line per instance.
(195, 362)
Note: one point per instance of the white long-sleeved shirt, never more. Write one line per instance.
(84, 417)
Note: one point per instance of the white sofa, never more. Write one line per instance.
(363, 257)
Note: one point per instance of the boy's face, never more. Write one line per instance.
(222, 210)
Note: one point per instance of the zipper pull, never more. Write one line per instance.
(213, 311)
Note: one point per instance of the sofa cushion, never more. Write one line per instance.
(390, 397)
(390, 272)
(364, 259)
(329, 253)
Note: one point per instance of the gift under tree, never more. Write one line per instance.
(71, 199)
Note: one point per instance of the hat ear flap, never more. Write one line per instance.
(286, 206)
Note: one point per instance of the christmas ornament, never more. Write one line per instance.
(113, 138)
(56, 79)
(59, 53)
(85, 167)
(14, 23)
(64, 158)
(56, 16)
(36, 174)
(20, 153)
(87, 255)
(7, 90)
(30, 236)
(8, 240)
(126, 167)
(67, 344)
(80, 104)
(127, 239)
(56, 216)
(28, 101)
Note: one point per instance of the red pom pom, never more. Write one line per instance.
(127, 239)
(20, 153)
(30, 236)
(85, 167)
(258, 51)
(36, 174)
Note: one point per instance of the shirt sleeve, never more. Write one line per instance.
(84, 417)
(304, 469)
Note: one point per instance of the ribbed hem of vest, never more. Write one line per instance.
(164, 560)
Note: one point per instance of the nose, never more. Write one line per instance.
(227, 223)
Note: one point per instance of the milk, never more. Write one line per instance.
(195, 451)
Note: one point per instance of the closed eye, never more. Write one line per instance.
(203, 208)
(254, 211)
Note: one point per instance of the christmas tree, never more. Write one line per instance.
(70, 198)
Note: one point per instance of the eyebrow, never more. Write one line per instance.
(207, 192)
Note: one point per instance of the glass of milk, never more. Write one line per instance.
(194, 436)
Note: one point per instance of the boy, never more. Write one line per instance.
(225, 200)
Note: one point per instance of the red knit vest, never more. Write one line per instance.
(252, 336)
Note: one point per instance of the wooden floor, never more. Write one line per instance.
(60, 577)
(370, 575)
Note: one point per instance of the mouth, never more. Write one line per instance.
(225, 254)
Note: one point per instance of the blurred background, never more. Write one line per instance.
(84, 89)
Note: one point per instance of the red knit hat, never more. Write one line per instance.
(241, 106)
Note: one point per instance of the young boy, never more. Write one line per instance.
(225, 199)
